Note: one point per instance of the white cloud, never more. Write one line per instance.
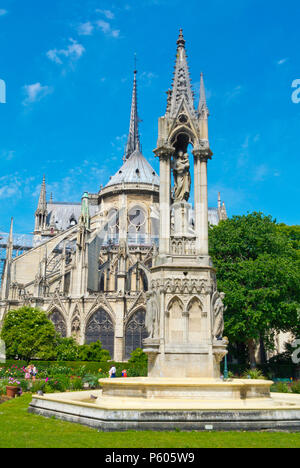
(86, 29)
(3, 12)
(7, 154)
(73, 52)
(148, 77)
(282, 61)
(107, 13)
(35, 92)
(107, 29)
(104, 26)
(261, 172)
(14, 185)
(230, 95)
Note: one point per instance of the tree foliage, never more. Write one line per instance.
(93, 352)
(258, 267)
(138, 357)
(28, 333)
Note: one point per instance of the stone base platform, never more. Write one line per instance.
(185, 389)
(104, 412)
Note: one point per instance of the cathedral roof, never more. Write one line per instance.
(135, 170)
(61, 214)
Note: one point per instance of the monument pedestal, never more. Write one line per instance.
(180, 310)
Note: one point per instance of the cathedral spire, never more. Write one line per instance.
(41, 212)
(133, 142)
(10, 241)
(202, 108)
(42, 204)
(181, 87)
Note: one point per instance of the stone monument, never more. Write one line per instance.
(189, 309)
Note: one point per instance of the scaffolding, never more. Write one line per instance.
(21, 244)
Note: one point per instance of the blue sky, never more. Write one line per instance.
(68, 69)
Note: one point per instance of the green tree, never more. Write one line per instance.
(259, 270)
(67, 349)
(28, 334)
(293, 234)
(138, 357)
(93, 352)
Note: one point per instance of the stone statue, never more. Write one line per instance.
(152, 317)
(218, 309)
(76, 329)
(182, 176)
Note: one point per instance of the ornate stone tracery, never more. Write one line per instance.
(135, 332)
(101, 328)
(59, 322)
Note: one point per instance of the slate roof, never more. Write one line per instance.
(135, 170)
(60, 214)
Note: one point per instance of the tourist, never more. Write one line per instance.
(27, 373)
(112, 372)
(124, 373)
(33, 372)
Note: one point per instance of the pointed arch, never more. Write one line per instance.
(194, 310)
(58, 320)
(135, 331)
(100, 327)
(175, 321)
(143, 271)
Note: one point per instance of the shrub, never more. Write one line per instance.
(255, 374)
(76, 384)
(280, 387)
(67, 350)
(138, 357)
(92, 380)
(93, 352)
(295, 387)
(3, 384)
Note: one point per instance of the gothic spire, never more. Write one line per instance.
(181, 87)
(202, 108)
(133, 142)
(42, 204)
(10, 242)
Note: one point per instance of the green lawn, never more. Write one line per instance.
(19, 429)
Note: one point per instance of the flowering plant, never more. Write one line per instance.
(14, 372)
(13, 382)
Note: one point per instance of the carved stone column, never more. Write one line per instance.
(201, 157)
(165, 153)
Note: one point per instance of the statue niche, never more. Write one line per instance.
(182, 176)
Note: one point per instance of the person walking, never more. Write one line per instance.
(112, 372)
(27, 373)
(33, 372)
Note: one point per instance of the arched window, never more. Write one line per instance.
(113, 224)
(135, 333)
(59, 323)
(100, 328)
(137, 225)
